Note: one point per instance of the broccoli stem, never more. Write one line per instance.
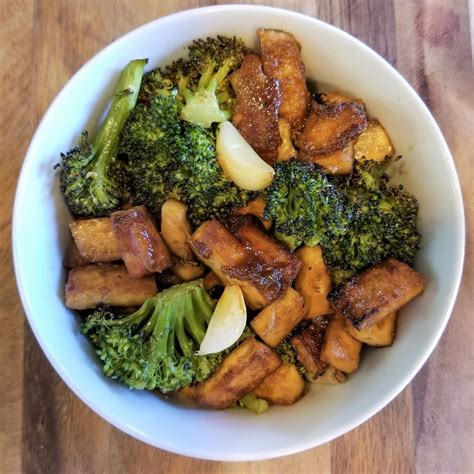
(105, 144)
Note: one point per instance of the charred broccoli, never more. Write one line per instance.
(154, 347)
(202, 80)
(359, 220)
(166, 157)
(91, 180)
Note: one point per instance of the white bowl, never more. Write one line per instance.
(40, 237)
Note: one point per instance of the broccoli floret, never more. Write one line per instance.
(91, 179)
(359, 220)
(383, 223)
(302, 203)
(203, 79)
(166, 157)
(154, 347)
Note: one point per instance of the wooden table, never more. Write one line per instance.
(428, 428)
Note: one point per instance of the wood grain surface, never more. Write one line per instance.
(44, 428)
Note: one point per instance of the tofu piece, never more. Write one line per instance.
(377, 292)
(267, 249)
(278, 319)
(330, 127)
(380, 334)
(331, 376)
(240, 373)
(335, 96)
(91, 285)
(313, 281)
(308, 345)
(176, 229)
(141, 246)
(232, 262)
(188, 271)
(254, 208)
(211, 280)
(73, 257)
(284, 386)
(339, 163)
(340, 349)
(281, 57)
(95, 240)
(257, 102)
(286, 150)
(373, 143)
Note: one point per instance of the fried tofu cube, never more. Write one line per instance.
(255, 208)
(240, 373)
(330, 127)
(373, 143)
(268, 250)
(377, 292)
(232, 262)
(338, 163)
(380, 334)
(331, 376)
(284, 386)
(95, 240)
(281, 57)
(142, 248)
(313, 281)
(91, 285)
(257, 102)
(308, 345)
(176, 229)
(340, 349)
(188, 271)
(279, 318)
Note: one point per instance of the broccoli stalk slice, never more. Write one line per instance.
(89, 185)
(202, 107)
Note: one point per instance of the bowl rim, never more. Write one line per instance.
(86, 397)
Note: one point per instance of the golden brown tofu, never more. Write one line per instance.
(232, 262)
(308, 344)
(284, 386)
(73, 257)
(373, 143)
(142, 248)
(286, 150)
(279, 318)
(240, 373)
(95, 240)
(176, 229)
(268, 250)
(377, 292)
(254, 208)
(340, 349)
(257, 101)
(380, 334)
(91, 285)
(281, 57)
(188, 271)
(330, 127)
(314, 281)
(331, 376)
(339, 163)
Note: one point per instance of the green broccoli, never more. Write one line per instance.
(91, 179)
(203, 79)
(166, 157)
(359, 220)
(303, 203)
(154, 347)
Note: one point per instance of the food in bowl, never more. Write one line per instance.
(237, 235)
